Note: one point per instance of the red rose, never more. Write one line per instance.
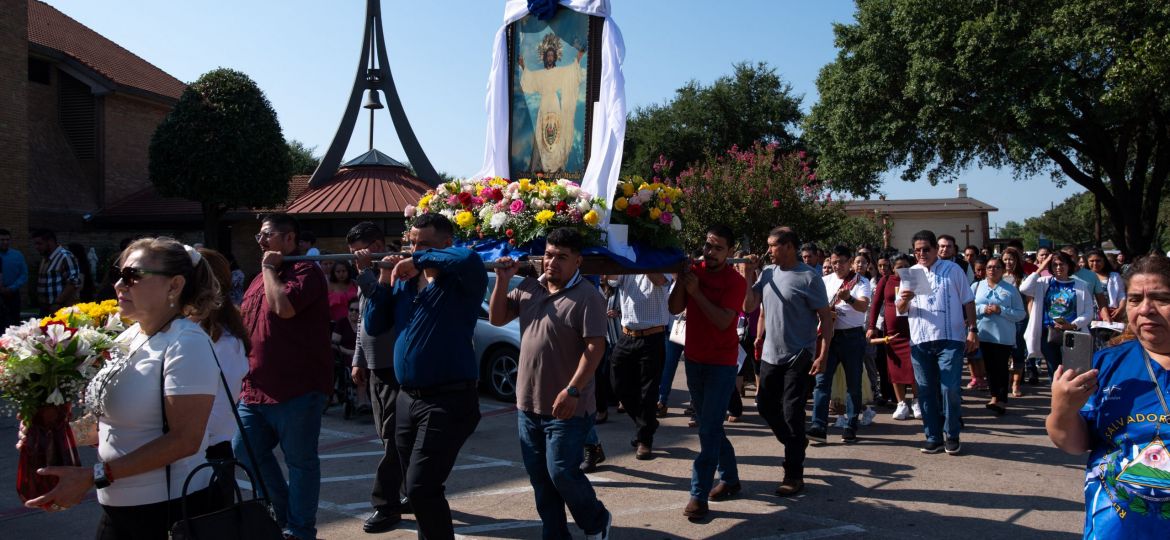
(561, 206)
(464, 198)
(509, 233)
(634, 210)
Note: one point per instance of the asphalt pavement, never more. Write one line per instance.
(1009, 482)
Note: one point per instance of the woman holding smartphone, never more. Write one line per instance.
(1060, 303)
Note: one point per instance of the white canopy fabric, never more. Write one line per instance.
(609, 112)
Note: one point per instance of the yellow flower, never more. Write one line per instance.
(545, 216)
(655, 214)
(591, 218)
(478, 189)
(465, 219)
(621, 203)
(425, 201)
(628, 189)
(525, 184)
(644, 186)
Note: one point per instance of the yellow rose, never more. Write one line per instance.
(591, 218)
(545, 216)
(465, 219)
(628, 189)
(654, 214)
(621, 203)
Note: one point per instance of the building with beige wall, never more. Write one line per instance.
(963, 217)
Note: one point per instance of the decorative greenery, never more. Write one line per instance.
(1074, 88)
(519, 212)
(222, 146)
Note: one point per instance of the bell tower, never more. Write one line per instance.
(373, 75)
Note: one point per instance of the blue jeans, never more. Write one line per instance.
(296, 426)
(552, 457)
(846, 349)
(1053, 354)
(674, 352)
(711, 387)
(938, 367)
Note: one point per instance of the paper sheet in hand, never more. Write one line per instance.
(915, 280)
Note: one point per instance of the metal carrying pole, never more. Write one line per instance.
(491, 265)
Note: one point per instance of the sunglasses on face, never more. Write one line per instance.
(131, 275)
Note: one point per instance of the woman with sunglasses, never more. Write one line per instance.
(151, 400)
(998, 307)
(1060, 302)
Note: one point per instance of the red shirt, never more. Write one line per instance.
(705, 343)
(290, 357)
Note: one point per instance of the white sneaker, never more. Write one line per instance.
(902, 412)
(868, 416)
(917, 409)
(841, 422)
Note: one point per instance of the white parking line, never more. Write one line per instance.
(816, 533)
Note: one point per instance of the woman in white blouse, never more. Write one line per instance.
(165, 369)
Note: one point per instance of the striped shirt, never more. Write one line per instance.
(59, 269)
(643, 303)
(939, 315)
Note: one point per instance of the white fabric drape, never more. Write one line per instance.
(609, 112)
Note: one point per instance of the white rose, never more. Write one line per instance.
(584, 207)
(538, 204)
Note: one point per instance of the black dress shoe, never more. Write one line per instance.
(382, 521)
(404, 506)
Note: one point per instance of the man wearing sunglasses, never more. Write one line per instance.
(290, 375)
(942, 327)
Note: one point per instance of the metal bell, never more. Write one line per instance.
(372, 100)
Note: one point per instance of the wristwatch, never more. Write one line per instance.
(573, 392)
(972, 329)
(101, 479)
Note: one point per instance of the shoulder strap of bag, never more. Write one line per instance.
(227, 390)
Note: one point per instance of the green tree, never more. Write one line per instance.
(751, 105)
(303, 160)
(1076, 88)
(1070, 222)
(222, 146)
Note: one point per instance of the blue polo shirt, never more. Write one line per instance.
(435, 325)
(1127, 478)
(14, 268)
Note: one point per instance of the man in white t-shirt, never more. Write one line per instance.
(848, 293)
(942, 327)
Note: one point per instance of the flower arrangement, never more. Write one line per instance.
(518, 212)
(651, 211)
(50, 361)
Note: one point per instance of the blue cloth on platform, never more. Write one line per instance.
(543, 9)
(648, 258)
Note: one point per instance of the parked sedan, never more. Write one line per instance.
(498, 349)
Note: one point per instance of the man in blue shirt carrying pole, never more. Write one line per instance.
(439, 289)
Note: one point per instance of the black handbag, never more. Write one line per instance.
(240, 520)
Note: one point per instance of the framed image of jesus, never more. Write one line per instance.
(553, 81)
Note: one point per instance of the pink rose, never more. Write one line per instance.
(775, 203)
(666, 218)
(517, 206)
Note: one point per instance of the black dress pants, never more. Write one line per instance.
(781, 400)
(431, 429)
(637, 371)
(996, 358)
(388, 490)
(152, 521)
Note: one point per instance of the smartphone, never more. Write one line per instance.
(1078, 351)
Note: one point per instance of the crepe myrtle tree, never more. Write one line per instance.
(1078, 89)
(221, 146)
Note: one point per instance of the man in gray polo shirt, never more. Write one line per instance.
(794, 304)
(562, 338)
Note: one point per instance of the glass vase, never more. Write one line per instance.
(48, 441)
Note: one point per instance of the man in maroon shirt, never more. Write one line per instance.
(712, 293)
(286, 311)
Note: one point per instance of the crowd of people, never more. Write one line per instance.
(849, 331)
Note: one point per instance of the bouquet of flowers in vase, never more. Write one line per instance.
(45, 366)
(651, 211)
(517, 212)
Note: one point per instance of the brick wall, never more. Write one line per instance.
(129, 124)
(14, 119)
(58, 184)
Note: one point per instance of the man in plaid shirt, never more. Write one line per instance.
(59, 278)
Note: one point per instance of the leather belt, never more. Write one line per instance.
(441, 389)
(644, 332)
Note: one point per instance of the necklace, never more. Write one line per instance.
(98, 389)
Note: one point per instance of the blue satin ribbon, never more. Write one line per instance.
(543, 9)
(648, 258)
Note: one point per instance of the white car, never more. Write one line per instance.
(498, 349)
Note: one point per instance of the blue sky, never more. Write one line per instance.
(303, 54)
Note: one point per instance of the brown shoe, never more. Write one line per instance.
(695, 509)
(661, 410)
(723, 491)
(643, 452)
(788, 488)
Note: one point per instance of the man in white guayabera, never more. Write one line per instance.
(558, 87)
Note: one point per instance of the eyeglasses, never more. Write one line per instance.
(131, 275)
(267, 234)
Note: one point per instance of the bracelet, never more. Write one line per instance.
(269, 266)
